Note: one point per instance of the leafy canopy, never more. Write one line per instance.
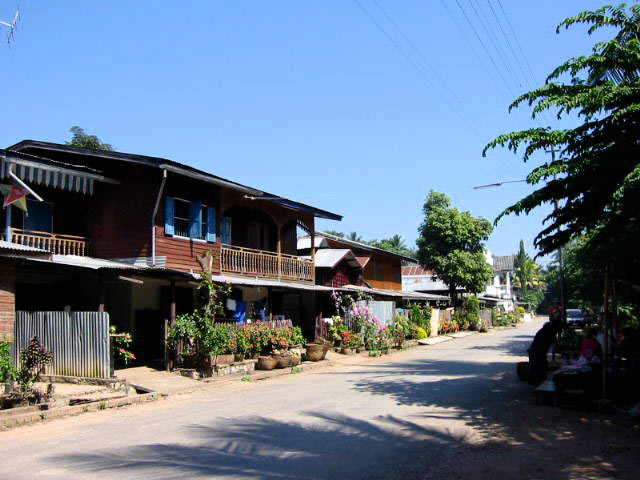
(598, 168)
(84, 140)
(452, 242)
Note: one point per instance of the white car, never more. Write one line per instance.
(576, 317)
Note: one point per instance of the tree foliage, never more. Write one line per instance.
(598, 168)
(84, 140)
(529, 277)
(452, 242)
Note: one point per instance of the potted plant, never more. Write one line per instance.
(220, 344)
(7, 372)
(348, 342)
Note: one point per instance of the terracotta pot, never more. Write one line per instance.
(224, 359)
(282, 360)
(266, 363)
(346, 351)
(316, 352)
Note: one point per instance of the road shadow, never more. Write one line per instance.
(327, 446)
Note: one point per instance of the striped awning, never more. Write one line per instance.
(48, 175)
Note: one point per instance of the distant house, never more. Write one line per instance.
(380, 268)
(349, 266)
(498, 292)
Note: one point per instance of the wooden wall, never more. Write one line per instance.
(390, 269)
(7, 298)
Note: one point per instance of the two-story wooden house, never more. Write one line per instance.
(124, 232)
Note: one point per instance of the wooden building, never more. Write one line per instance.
(124, 232)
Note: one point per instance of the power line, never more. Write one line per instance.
(494, 42)
(417, 68)
(426, 62)
(464, 13)
(506, 161)
(524, 75)
(524, 56)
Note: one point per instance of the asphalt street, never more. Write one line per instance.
(407, 415)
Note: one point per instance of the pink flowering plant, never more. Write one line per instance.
(120, 345)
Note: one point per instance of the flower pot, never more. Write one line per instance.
(316, 352)
(224, 359)
(238, 357)
(266, 362)
(282, 360)
(347, 351)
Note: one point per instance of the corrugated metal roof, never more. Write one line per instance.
(504, 264)
(413, 270)
(330, 257)
(265, 282)
(363, 246)
(16, 247)
(304, 243)
(174, 167)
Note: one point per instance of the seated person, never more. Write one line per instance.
(590, 347)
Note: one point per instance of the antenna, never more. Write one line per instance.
(12, 26)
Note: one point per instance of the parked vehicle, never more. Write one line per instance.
(577, 317)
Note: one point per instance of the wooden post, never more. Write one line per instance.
(100, 292)
(313, 251)
(172, 308)
(279, 251)
(172, 320)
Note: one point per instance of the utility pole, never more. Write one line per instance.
(552, 151)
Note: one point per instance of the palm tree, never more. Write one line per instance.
(353, 236)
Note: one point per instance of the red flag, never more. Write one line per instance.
(15, 195)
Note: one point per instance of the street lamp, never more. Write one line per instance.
(560, 256)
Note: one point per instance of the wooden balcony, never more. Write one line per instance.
(51, 242)
(260, 263)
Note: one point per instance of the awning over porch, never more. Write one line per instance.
(49, 173)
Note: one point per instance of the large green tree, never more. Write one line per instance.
(82, 139)
(452, 243)
(595, 178)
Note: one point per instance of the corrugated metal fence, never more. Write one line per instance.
(487, 316)
(79, 341)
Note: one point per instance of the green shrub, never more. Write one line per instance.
(7, 371)
(221, 340)
(421, 333)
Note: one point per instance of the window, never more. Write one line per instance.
(189, 219)
(181, 218)
(378, 273)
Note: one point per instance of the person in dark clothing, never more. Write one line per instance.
(538, 365)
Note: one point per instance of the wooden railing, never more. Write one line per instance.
(260, 263)
(51, 242)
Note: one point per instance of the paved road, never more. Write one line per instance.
(402, 416)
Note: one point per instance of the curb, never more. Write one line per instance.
(61, 412)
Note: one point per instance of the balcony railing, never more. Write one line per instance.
(51, 242)
(260, 263)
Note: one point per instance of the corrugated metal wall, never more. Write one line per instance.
(385, 311)
(79, 341)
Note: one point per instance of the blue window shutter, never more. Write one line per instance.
(211, 224)
(226, 230)
(195, 219)
(168, 216)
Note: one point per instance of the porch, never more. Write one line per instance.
(261, 263)
(56, 243)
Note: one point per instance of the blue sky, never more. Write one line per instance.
(305, 99)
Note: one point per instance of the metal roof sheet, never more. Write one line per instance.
(504, 264)
(174, 167)
(16, 247)
(331, 257)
